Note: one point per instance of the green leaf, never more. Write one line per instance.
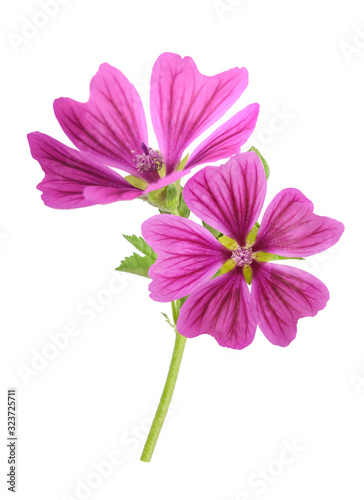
(140, 244)
(265, 164)
(267, 257)
(136, 264)
(213, 231)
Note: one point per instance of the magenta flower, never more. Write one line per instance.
(230, 198)
(110, 130)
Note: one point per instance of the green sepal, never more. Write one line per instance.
(136, 182)
(172, 199)
(182, 165)
(158, 198)
(265, 164)
(168, 320)
(247, 271)
(162, 171)
(183, 209)
(166, 199)
(136, 264)
(140, 244)
(228, 266)
(228, 242)
(252, 236)
(182, 301)
(213, 231)
(171, 193)
(268, 257)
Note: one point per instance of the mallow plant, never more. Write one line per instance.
(222, 275)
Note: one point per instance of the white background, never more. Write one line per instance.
(233, 411)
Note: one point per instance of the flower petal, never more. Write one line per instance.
(227, 139)
(98, 195)
(221, 308)
(281, 295)
(111, 124)
(230, 197)
(291, 229)
(185, 103)
(188, 255)
(68, 172)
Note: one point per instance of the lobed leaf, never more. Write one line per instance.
(136, 264)
(140, 244)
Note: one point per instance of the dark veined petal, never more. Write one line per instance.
(185, 103)
(291, 229)
(98, 195)
(111, 124)
(281, 295)
(188, 255)
(230, 197)
(227, 139)
(68, 172)
(220, 308)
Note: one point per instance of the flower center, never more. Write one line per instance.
(242, 256)
(149, 161)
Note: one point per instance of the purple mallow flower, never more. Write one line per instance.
(230, 198)
(110, 130)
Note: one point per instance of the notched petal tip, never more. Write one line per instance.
(291, 229)
(185, 103)
(110, 124)
(281, 295)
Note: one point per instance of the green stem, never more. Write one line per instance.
(165, 398)
(174, 311)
